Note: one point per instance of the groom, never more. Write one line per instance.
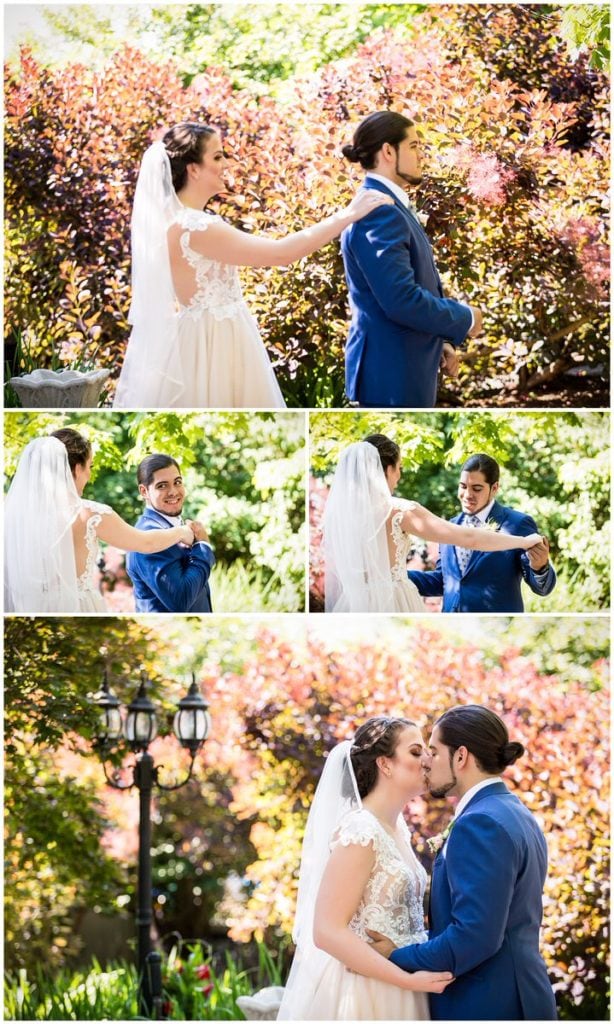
(486, 581)
(175, 580)
(486, 890)
(403, 329)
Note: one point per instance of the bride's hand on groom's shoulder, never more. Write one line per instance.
(364, 202)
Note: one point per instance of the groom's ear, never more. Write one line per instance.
(462, 756)
(142, 490)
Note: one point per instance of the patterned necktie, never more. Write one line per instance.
(464, 554)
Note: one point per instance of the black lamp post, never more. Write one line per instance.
(191, 727)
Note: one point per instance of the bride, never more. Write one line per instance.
(52, 533)
(368, 533)
(194, 343)
(359, 872)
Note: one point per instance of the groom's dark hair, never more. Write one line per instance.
(483, 733)
(372, 133)
(151, 464)
(484, 464)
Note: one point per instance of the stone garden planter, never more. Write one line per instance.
(59, 389)
(263, 1005)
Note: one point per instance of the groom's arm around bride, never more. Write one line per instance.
(486, 890)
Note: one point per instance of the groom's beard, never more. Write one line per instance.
(409, 179)
(446, 788)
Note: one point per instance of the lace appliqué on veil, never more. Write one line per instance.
(392, 902)
(85, 581)
(402, 544)
(218, 289)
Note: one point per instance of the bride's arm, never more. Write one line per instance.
(113, 530)
(341, 889)
(422, 523)
(224, 243)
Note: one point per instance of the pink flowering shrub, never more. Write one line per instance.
(516, 139)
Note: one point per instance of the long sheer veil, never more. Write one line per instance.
(151, 361)
(40, 573)
(358, 576)
(335, 795)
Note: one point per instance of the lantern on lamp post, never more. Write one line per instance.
(191, 726)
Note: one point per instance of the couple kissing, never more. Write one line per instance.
(363, 951)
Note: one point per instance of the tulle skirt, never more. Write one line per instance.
(343, 995)
(212, 363)
(406, 597)
(91, 602)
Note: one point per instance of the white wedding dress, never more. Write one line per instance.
(90, 599)
(393, 905)
(206, 354)
(221, 358)
(43, 539)
(365, 547)
(405, 594)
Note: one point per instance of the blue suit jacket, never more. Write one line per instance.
(175, 580)
(485, 915)
(400, 318)
(492, 580)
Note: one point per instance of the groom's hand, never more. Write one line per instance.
(198, 530)
(450, 360)
(538, 555)
(380, 943)
(478, 325)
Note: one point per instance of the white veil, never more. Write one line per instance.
(335, 795)
(40, 573)
(358, 576)
(151, 361)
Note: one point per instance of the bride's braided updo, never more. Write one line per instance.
(78, 448)
(185, 144)
(388, 450)
(376, 738)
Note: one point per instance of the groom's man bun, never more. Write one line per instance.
(484, 735)
(371, 134)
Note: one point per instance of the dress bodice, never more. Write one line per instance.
(86, 583)
(218, 288)
(393, 899)
(402, 544)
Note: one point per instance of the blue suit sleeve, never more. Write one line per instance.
(178, 574)
(429, 582)
(385, 261)
(482, 864)
(541, 584)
